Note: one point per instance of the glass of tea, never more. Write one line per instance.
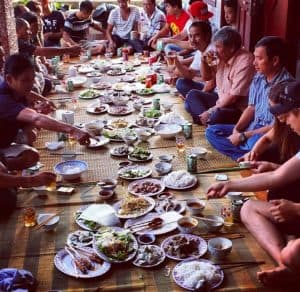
(51, 187)
(71, 140)
(29, 217)
(180, 143)
(226, 213)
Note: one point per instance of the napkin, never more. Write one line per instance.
(101, 213)
(16, 280)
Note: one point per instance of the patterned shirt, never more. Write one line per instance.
(235, 76)
(123, 27)
(76, 28)
(151, 26)
(258, 97)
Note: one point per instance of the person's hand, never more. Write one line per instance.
(234, 138)
(42, 179)
(112, 46)
(217, 190)
(204, 118)
(250, 156)
(152, 41)
(165, 40)
(284, 211)
(81, 136)
(262, 166)
(75, 50)
(45, 107)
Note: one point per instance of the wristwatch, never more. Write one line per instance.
(243, 137)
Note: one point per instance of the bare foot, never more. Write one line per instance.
(276, 276)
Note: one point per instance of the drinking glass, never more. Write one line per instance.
(226, 213)
(180, 143)
(171, 58)
(29, 217)
(51, 187)
(74, 101)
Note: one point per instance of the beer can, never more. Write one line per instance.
(160, 79)
(192, 163)
(159, 45)
(119, 52)
(70, 86)
(187, 130)
(125, 55)
(236, 207)
(156, 103)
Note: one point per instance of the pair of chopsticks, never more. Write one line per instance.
(223, 169)
(225, 266)
(48, 219)
(65, 153)
(227, 235)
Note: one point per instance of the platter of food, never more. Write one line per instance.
(116, 72)
(89, 94)
(169, 222)
(133, 207)
(97, 142)
(119, 123)
(149, 256)
(120, 110)
(115, 244)
(101, 85)
(94, 74)
(85, 69)
(192, 274)
(86, 224)
(97, 110)
(146, 187)
(168, 205)
(181, 247)
(80, 238)
(145, 91)
(151, 113)
(86, 266)
(133, 172)
(120, 151)
(179, 180)
(127, 78)
(140, 154)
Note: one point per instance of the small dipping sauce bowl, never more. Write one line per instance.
(187, 224)
(195, 206)
(146, 238)
(164, 196)
(108, 184)
(106, 194)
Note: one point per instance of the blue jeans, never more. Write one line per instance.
(217, 136)
(197, 102)
(172, 47)
(184, 85)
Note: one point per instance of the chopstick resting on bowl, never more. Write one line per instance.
(48, 219)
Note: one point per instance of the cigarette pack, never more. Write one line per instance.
(65, 190)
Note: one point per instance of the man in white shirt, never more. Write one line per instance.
(199, 39)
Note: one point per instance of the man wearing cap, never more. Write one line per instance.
(270, 222)
(176, 20)
(234, 140)
(198, 12)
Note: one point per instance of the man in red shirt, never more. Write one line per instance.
(176, 20)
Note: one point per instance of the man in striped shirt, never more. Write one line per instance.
(77, 26)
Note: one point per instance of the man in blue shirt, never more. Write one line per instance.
(236, 140)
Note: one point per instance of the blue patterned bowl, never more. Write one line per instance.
(71, 169)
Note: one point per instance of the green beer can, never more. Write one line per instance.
(192, 163)
(187, 130)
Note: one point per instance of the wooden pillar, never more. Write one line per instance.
(8, 36)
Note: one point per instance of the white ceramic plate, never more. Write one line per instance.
(89, 94)
(178, 206)
(97, 142)
(120, 110)
(97, 110)
(169, 219)
(100, 85)
(168, 185)
(151, 202)
(80, 238)
(214, 283)
(146, 172)
(146, 181)
(161, 88)
(64, 263)
(116, 72)
(94, 74)
(130, 256)
(114, 152)
(85, 69)
(141, 251)
(202, 246)
(140, 160)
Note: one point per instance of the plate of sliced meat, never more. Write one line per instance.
(146, 187)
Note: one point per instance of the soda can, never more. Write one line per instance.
(159, 45)
(156, 103)
(192, 163)
(148, 82)
(119, 52)
(160, 79)
(70, 86)
(125, 54)
(187, 130)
